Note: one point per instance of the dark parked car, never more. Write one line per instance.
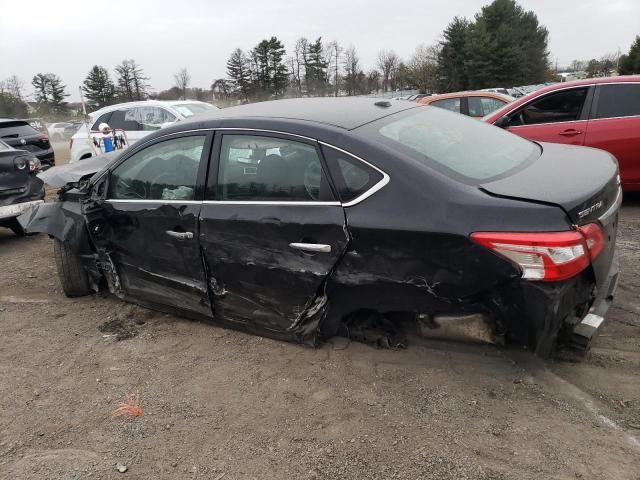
(303, 219)
(21, 135)
(20, 188)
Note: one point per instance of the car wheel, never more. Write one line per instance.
(73, 276)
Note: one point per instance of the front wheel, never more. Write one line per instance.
(73, 276)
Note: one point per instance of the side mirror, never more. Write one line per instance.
(502, 122)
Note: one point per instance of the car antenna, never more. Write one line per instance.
(383, 103)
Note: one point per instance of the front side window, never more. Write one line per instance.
(190, 109)
(124, 120)
(262, 168)
(456, 145)
(351, 176)
(104, 118)
(621, 100)
(164, 171)
(563, 106)
(451, 104)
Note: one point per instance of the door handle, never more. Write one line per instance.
(570, 132)
(311, 247)
(179, 235)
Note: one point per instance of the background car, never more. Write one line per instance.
(599, 112)
(136, 119)
(63, 130)
(38, 125)
(19, 134)
(475, 104)
(299, 218)
(20, 188)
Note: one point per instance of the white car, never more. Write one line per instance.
(56, 130)
(136, 119)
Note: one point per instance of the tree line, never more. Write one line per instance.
(503, 45)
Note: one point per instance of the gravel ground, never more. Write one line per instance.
(222, 404)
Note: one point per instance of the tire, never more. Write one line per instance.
(73, 276)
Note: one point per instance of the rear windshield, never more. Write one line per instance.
(190, 109)
(454, 144)
(16, 129)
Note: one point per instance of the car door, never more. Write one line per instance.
(271, 230)
(614, 126)
(557, 117)
(145, 224)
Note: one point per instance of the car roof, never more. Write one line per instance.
(341, 112)
(2, 120)
(142, 103)
(472, 93)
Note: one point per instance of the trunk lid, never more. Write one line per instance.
(19, 134)
(584, 182)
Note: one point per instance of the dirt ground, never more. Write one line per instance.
(222, 404)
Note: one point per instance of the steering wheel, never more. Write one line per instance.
(312, 178)
(130, 190)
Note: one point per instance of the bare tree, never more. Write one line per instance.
(423, 68)
(351, 64)
(182, 79)
(388, 64)
(14, 86)
(335, 51)
(299, 62)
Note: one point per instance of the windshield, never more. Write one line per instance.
(189, 109)
(463, 146)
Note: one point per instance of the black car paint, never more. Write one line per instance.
(17, 186)
(34, 142)
(404, 249)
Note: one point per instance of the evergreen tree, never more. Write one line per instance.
(452, 55)
(316, 68)
(630, 63)
(98, 88)
(279, 71)
(505, 46)
(49, 94)
(131, 84)
(239, 71)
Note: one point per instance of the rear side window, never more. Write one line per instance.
(621, 100)
(351, 177)
(481, 106)
(263, 168)
(457, 145)
(563, 106)
(104, 118)
(16, 129)
(451, 104)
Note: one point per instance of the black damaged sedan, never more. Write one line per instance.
(303, 219)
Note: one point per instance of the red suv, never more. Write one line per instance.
(598, 112)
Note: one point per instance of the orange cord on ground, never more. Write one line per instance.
(129, 408)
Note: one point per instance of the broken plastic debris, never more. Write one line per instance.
(129, 408)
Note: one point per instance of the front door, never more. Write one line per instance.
(271, 231)
(146, 229)
(556, 117)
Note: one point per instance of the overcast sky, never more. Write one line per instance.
(68, 37)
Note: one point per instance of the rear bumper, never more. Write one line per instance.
(588, 328)
(47, 157)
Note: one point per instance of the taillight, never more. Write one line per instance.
(546, 256)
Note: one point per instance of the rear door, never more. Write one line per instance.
(558, 117)
(614, 126)
(271, 230)
(147, 224)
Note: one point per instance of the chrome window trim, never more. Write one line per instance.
(140, 200)
(383, 181)
(545, 123)
(300, 203)
(614, 118)
(375, 188)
